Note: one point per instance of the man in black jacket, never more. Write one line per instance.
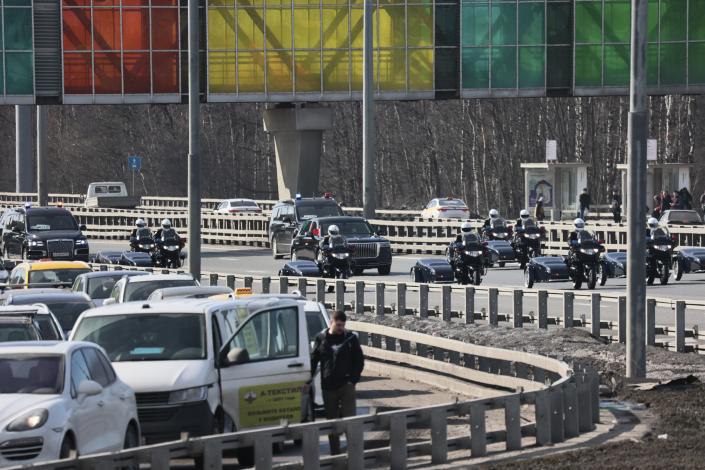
(584, 201)
(342, 361)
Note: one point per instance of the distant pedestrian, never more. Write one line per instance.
(616, 207)
(666, 202)
(657, 205)
(686, 198)
(677, 201)
(340, 355)
(584, 201)
(538, 210)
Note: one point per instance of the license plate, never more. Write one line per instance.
(60, 254)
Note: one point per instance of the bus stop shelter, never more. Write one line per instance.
(559, 184)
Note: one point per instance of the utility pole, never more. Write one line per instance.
(369, 189)
(194, 164)
(42, 192)
(636, 182)
(23, 148)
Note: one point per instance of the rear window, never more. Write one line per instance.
(243, 203)
(322, 209)
(452, 203)
(114, 189)
(142, 290)
(17, 331)
(684, 217)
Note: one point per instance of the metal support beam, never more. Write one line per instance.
(636, 171)
(369, 189)
(23, 148)
(194, 164)
(42, 191)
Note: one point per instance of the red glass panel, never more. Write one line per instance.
(165, 70)
(106, 3)
(107, 73)
(135, 3)
(135, 29)
(106, 29)
(164, 3)
(73, 3)
(136, 72)
(165, 32)
(77, 73)
(77, 29)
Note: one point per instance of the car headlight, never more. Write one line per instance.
(548, 270)
(500, 235)
(81, 242)
(589, 251)
(662, 247)
(171, 247)
(341, 255)
(189, 395)
(473, 253)
(31, 420)
(36, 243)
(534, 236)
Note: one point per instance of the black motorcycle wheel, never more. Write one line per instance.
(650, 276)
(477, 278)
(522, 265)
(665, 274)
(578, 281)
(592, 278)
(528, 278)
(677, 269)
(602, 274)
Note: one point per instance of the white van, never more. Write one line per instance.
(110, 194)
(203, 366)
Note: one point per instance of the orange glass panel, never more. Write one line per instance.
(106, 3)
(106, 29)
(135, 29)
(165, 72)
(107, 73)
(77, 73)
(77, 29)
(165, 28)
(136, 72)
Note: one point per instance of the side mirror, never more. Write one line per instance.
(89, 388)
(82, 227)
(109, 301)
(233, 357)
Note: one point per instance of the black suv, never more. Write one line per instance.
(287, 217)
(43, 232)
(370, 250)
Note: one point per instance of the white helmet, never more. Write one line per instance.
(166, 223)
(465, 227)
(652, 222)
(140, 223)
(524, 214)
(579, 223)
(333, 230)
(494, 213)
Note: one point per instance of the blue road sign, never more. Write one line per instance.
(134, 162)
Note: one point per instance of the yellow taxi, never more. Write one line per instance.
(46, 274)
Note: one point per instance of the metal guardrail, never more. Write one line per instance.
(565, 403)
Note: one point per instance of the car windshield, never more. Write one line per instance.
(349, 228)
(242, 203)
(44, 222)
(55, 276)
(17, 330)
(452, 203)
(100, 287)
(68, 312)
(684, 217)
(327, 209)
(28, 373)
(142, 290)
(151, 337)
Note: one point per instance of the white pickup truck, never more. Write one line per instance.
(110, 194)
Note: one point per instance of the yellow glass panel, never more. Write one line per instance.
(336, 70)
(420, 30)
(391, 29)
(221, 28)
(308, 71)
(356, 25)
(250, 71)
(392, 69)
(249, 3)
(279, 72)
(420, 69)
(221, 72)
(250, 27)
(335, 28)
(307, 28)
(224, 3)
(356, 81)
(279, 28)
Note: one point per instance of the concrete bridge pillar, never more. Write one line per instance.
(298, 141)
(24, 152)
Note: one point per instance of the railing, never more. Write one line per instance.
(565, 402)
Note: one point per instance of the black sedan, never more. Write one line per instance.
(371, 250)
(612, 265)
(689, 259)
(546, 269)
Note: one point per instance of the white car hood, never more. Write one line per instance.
(164, 376)
(14, 404)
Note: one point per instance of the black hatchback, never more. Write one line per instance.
(34, 233)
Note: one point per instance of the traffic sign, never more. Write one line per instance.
(134, 163)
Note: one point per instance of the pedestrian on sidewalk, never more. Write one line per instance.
(584, 201)
(340, 355)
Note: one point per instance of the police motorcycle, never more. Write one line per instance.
(527, 239)
(467, 256)
(583, 256)
(498, 236)
(142, 240)
(334, 255)
(659, 253)
(169, 246)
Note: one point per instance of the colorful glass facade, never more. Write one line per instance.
(17, 61)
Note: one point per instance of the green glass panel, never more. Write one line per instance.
(2, 78)
(673, 20)
(476, 24)
(476, 67)
(19, 78)
(588, 65)
(558, 23)
(617, 21)
(18, 28)
(696, 26)
(559, 67)
(653, 20)
(652, 65)
(420, 26)
(504, 67)
(447, 33)
(588, 22)
(24, 3)
(504, 24)
(616, 65)
(672, 64)
(531, 67)
(696, 63)
(531, 25)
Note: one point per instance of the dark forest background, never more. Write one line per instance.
(465, 148)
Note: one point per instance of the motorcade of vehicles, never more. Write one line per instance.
(498, 238)
(237, 206)
(134, 288)
(369, 250)
(287, 217)
(467, 258)
(445, 208)
(612, 265)
(659, 256)
(39, 274)
(61, 399)
(168, 250)
(46, 323)
(110, 194)
(98, 285)
(205, 366)
(34, 233)
(546, 269)
(584, 259)
(66, 306)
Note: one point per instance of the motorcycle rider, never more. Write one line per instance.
(166, 226)
(494, 214)
(332, 239)
(579, 225)
(524, 216)
(465, 228)
(139, 225)
(651, 225)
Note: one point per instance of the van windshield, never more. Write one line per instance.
(148, 337)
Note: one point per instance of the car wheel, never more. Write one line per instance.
(132, 439)
(68, 448)
(384, 270)
(275, 249)
(677, 270)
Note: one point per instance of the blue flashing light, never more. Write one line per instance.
(298, 196)
(27, 205)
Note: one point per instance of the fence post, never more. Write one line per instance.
(518, 307)
(379, 296)
(584, 411)
(650, 322)
(103, 267)
(230, 281)
(512, 421)
(311, 449)
(595, 300)
(423, 300)
(263, 452)
(360, 297)
(401, 299)
(283, 284)
(570, 410)
(446, 292)
(542, 307)
(542, 408)
(397, 442)
(439, 437)
(622, 319)
(248, 281)
(469, 305)
(680, 326)
(568, 309)
(356, 455)
(557, 430)
(321, 290)
(478, 436)
(493, 305)
(340, 295)
(213, 279)
(266, 284)
(302, 286)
